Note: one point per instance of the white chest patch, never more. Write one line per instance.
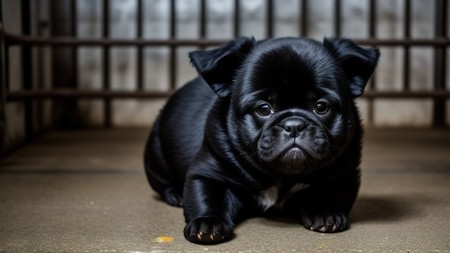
(271, 195)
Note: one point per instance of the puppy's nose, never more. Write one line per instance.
(293, 126)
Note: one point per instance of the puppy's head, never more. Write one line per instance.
(290, 100)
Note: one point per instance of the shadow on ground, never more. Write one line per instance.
(385, 208)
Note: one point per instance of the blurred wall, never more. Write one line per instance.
(41, 73)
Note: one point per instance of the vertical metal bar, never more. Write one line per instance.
(406, 48)
(270, 18)
(372, 18)
(237, 18)
(173, 55)
(4, 64)
(2, 84)
(304, 18)
(440, 62)
(73, 31)
(337, 18)
(27, 67)
(63, 111)
(203, 19)
(39, 66)
(372, 35)
(106, 66)
(140, 51)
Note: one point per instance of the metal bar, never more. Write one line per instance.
(2, 84)
(173, 55)
(106, 66)
(140, 51)
(139, 18)
(68, 41)
(237, 19)
(372, 18)
(372, 36)
(27, 68)
(407, 94)
(73, 103)
(304, 18)
(173, 19)
(270, 18)
(6, 55)
(39, 81)
(406, 48)
(6, 62)
(73, 30)
(84, 94)
(96, 94)
(337, 18)
(440, 62)
(61, 69)
(203, 19)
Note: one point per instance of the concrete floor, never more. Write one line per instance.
(86, 191)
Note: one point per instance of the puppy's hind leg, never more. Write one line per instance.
(160, 176)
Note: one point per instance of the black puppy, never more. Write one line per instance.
(269, 127)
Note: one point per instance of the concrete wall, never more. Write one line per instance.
(14, 131)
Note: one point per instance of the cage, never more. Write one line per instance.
(83, 80)
(72, 56)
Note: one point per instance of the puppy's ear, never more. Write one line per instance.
(358, 63)
(218, 66)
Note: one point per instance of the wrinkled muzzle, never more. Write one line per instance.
(293, 145)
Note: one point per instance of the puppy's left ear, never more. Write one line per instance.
(358, 63)
(218, 66)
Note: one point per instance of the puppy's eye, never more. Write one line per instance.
(321, 108)
(264, 110)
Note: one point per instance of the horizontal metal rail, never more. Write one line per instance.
(84, 94)
(13, 39)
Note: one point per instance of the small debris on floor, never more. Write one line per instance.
(162, 239)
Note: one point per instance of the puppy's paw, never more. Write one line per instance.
(325, 222)
(172, 197)
(208, 231)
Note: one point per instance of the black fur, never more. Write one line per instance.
(269, 127)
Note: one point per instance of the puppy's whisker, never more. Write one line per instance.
(248, 157)
(336, 148)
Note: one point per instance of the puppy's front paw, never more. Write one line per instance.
(208, 231)
(325, 222)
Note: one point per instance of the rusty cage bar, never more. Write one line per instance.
(440, 94)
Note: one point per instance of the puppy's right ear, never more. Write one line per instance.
(218, 66)
(358, 63)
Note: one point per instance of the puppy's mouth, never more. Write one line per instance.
(292, 156)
